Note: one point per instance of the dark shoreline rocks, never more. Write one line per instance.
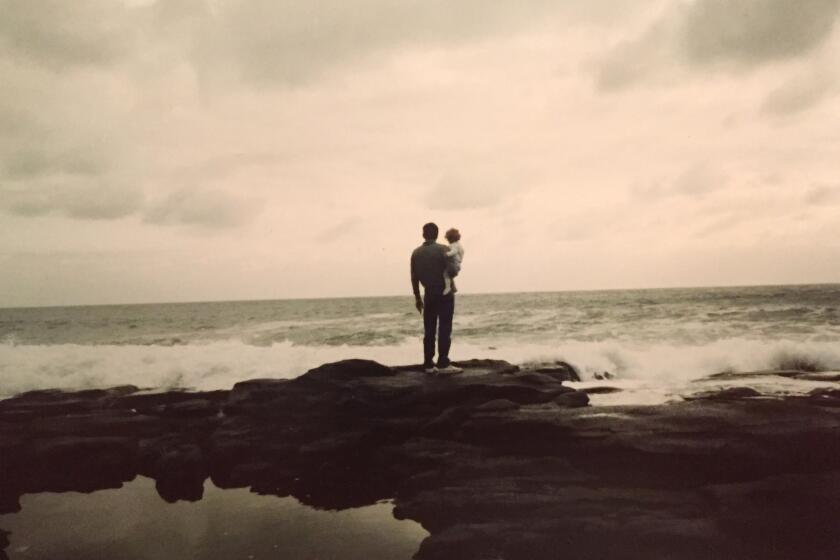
(497, 462)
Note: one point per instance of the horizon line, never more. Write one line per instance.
(316, 298)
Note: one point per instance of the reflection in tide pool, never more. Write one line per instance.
(133, 523)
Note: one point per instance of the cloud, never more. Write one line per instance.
(271, 42)
(632, 59)
(460, 192)
(648, 190)
(799, 95)
(62, 138)
(338, 231)
(95, 198)
(753, 32)
(604, 221)
(224, 165)
(205, 208)
(733, 34)
(56, 33)
(73, 197)
(696, 181)
(33, 162)
(822, 194)
(580, 230)
(267, 42)
(66, 172)
(721, 224)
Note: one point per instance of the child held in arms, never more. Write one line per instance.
(455, 254)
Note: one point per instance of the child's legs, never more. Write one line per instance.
(447, 283)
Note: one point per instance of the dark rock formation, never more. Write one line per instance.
(494, 462)
(601, 390)
(4, 542)
(809, 375)
(825, 397)
(729, 393)
(562, 371)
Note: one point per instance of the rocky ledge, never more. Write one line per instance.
(494, 463)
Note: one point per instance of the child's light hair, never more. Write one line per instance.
(453, 235)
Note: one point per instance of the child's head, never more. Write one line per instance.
(453, 235)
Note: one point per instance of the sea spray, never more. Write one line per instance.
(218, 365)
(660, 341)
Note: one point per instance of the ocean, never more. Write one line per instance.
(656, 345)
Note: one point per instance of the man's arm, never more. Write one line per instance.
(415, 285)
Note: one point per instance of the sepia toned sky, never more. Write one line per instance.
(183, 150)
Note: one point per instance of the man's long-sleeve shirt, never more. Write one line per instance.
(428, 262)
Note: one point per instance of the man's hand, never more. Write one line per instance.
(418, 303)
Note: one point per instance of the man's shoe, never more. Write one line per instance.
(450, 369)
(432, 369)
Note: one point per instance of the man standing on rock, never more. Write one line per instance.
(428, 263)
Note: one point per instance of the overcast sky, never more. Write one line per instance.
(178, 150)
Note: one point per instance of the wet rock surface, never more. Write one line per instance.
(494, 462)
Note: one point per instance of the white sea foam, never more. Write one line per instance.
(647, 373)
(216, 365)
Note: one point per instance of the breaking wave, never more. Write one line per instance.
(665, 368)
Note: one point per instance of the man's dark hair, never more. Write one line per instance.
(430, 231)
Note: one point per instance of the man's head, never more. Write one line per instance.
(430, 231)
(452, 235)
